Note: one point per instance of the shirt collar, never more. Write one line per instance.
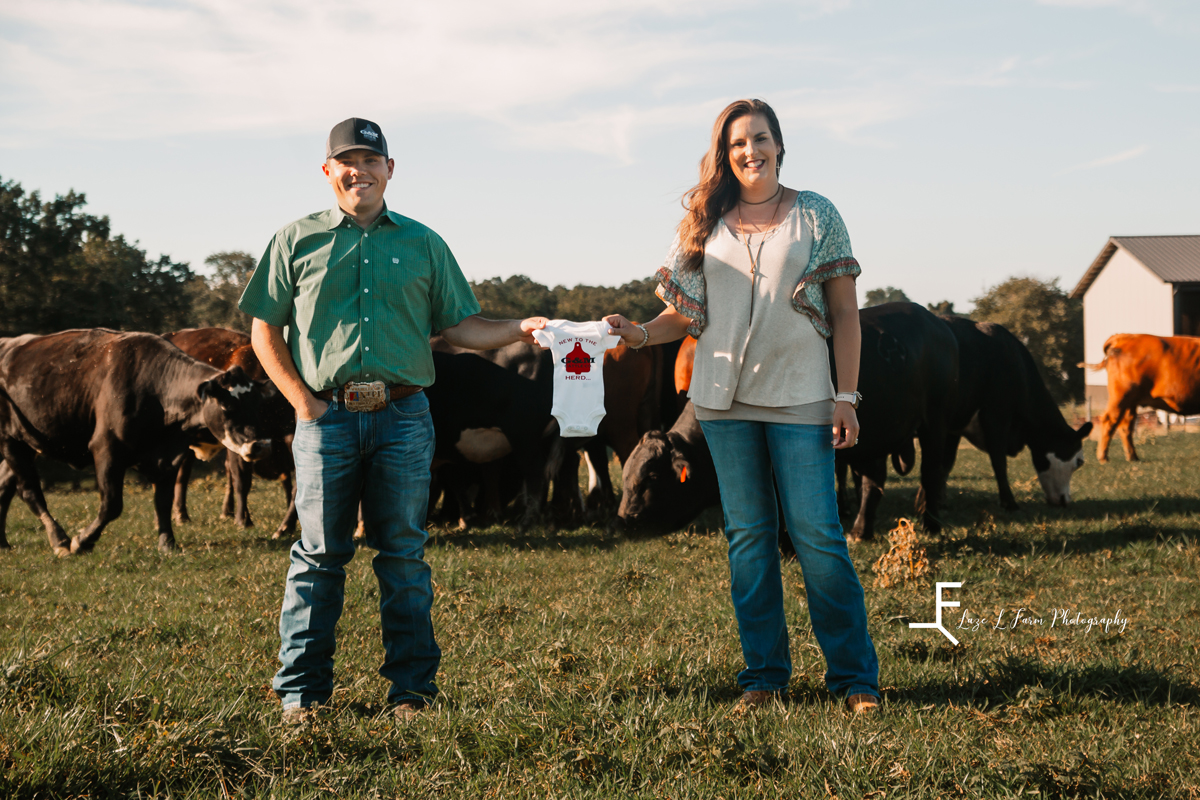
(337, 217)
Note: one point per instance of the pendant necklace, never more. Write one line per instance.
(754, 261)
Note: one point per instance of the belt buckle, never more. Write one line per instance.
(369, 396)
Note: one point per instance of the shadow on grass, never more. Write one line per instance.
(1028, 684)
(1120, 535)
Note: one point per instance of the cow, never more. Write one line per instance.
(1003, 406)
(114, 400)
(668, 479)
(483, 412)
(633, 385)
(908, 375)
(1161, 372)
(224, 348)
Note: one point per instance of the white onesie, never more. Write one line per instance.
(578, 351)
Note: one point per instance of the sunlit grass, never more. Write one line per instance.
(577, 664)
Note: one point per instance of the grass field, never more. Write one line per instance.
(580, 665)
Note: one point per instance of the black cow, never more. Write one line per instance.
(908, 376)
(668, 479)
(223, 348)
(114, 400)
(483, 412)
(1003, 406)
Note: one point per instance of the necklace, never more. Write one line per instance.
(770, 223)
(760, 202)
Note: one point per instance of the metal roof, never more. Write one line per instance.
(1174, 259)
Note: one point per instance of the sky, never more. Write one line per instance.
(963, 143)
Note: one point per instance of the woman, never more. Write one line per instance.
(762, 275)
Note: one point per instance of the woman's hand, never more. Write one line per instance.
(619, 326)
(845, 426)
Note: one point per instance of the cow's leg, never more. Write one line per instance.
(995, 427)
(179, 510)
(567, 505)
(8, 488)
(932, 437)
(840, 470)
(1105, 424)
(288, 526)
(20, 459)
(1125, 429)
(871, 481)
(600, 494)
(110, 481)
(239, 477)
(162, 513)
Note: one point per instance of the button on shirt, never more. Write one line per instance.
(324, 278)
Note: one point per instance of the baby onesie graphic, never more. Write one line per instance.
(578, 351)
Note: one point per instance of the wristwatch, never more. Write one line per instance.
(853, 398)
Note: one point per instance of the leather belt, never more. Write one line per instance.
(394, 393)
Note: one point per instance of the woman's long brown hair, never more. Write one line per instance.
(717, 191)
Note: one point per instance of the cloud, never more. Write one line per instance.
(129, 69)
(1116, 158)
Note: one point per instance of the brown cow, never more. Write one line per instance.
(1161, 372)
(224, 348)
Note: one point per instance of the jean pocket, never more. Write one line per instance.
(324, 415)
(411, 407)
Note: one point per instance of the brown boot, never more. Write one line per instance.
(862, 703)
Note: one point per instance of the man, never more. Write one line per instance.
(360, 288)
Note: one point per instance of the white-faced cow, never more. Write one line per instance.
(114, 400)
(223, 348)
(1004, 406)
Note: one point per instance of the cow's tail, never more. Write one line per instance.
(1094, 367)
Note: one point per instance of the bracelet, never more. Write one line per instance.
(645, 337)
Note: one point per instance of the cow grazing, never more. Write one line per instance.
(114, 400)
(1161, 372)
(1003, 406)
(908, 376)
(223, 348)
(669, 479)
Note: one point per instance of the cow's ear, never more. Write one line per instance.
(212, 388)
(234, 376)
(681, 469)
(1084, 429)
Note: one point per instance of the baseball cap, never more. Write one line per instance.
(355, 134)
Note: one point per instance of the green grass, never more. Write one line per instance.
(580, 665)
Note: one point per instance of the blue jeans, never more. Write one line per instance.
(746, 454)
(382, 457)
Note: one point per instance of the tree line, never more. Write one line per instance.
(61, 267)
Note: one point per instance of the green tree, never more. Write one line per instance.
(1048, 322)
(61, 268)
(515, 297)
(215, 299)
(635, 300)
(886, 294)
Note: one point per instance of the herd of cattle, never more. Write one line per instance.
(111, 400)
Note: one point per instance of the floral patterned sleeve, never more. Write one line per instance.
(831, 258)
(686, 291)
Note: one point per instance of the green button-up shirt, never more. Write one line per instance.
(359, 305)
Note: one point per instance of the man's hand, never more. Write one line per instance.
(312, 407)
(528, 326)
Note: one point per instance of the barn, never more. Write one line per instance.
(1138, 284)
